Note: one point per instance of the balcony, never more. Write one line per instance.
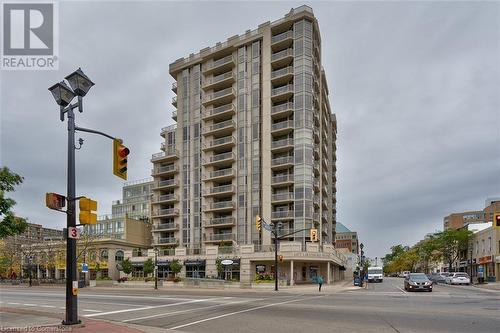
(220, 144)
(324, 217)
(282, 128)
(282, 58)
(219, 81)
(281, 180)
(164, 170)
(166, 227)
(167, 241)
(174, 87)
(220, 112)
(282, 40)
(167, 212)
(221, 175)
(316, 153)
(284, 214)
(225, 127)
(219, 66)
(165, 184)
(316, 167)
(165, 198)
(219, 190)
(282, 110)
(316, 200)
(174, 101)
(282, 93)
(220, 237)
(220, 159)
(282, 76)
(220, 222)
(282, 162)
(220, 206)
(316, 185)
(279, 198)
(282, 145)
(168, 129)
(174, 115)
(169, 154)
(325, 189)
(219, 97)
(316, 136)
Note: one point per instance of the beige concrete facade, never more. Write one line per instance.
(254, 135)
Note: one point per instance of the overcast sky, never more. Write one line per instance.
(415, 87)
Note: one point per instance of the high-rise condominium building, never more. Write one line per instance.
(255, 134)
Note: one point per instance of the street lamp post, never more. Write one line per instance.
(30, 260)
(80, 85)
(156, 267)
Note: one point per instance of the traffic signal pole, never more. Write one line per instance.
(71, 317)
(71, 299)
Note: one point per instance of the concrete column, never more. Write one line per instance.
(291, 273)
(47, 273)
(328, 272)
(38, 272)
(58, 276)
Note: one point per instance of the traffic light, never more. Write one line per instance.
(280, 258)
(258, 222)
(55, 201)
(496, 220)
(120, 153)
(314, 235)
(87, 207)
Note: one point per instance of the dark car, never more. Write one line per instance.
(436, 278)
(417, 281)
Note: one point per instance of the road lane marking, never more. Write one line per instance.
(189, 310)
(90, 310)
(61, 295)
(153, 307)
(404, 291)
(29, 304)
(47, 306)
(14, 303)
(241, 311)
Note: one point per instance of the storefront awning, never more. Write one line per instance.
(342, 268)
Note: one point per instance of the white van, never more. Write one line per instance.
(375, 274)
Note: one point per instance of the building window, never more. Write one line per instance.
(119, 255)
(104, 255)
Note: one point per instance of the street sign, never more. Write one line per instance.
(226, 262)
(266, 226)
(73, 233)
(55, 201)
(85, 268)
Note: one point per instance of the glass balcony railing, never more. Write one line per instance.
(166, 226)
(282, 90)
(218, 78)
(166, 197)
(285, 35)
(221, 189)
(282, 143)
(282, 214)
(282, 125)
(221, 237)
(282, 178)
(282, 196)
(221, 204)
(167, 240)
(219, 109)
(282, 71)
(167, 211)
(218, 126)
(219, 62)
(221, 220)
(282, 107)
(222, 173)
(221, 157)
(282, 54)
(166, 168)
(217, 94)
(221, 141)
(167, 182)
(282, 160)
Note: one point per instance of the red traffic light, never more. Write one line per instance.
(123, 152)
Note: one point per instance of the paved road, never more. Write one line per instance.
(382, 307)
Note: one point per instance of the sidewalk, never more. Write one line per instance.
(22, 320)
(489, 286)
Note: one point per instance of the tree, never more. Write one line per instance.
(148, 267)
(127, 266)
(451, 243)
(9, 225)
(176, 267)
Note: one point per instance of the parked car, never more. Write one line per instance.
(404, 274)
(458, 278)
(417, 281)
(437, 278)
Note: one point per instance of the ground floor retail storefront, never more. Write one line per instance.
(297, 265)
